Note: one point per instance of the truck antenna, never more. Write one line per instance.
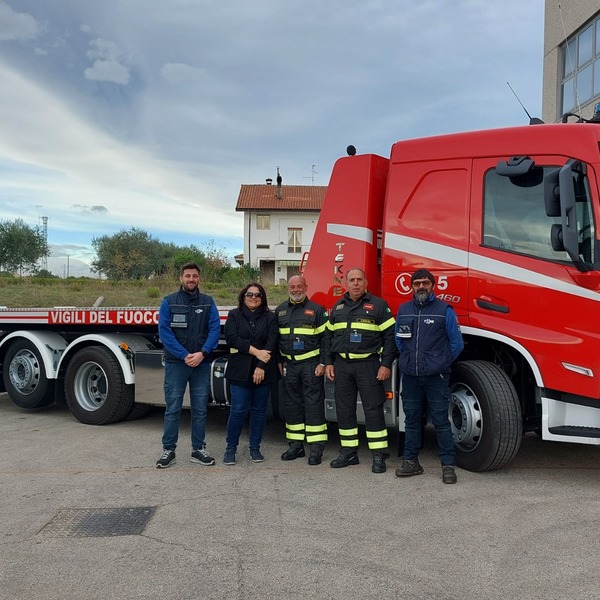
(532, 120)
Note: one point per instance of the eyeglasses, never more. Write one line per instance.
(253, 295)
(418, 284)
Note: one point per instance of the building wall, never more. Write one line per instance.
(274, 257)
(562, 19)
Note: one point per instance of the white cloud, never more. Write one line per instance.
(108, 63)
(17, 26)
(158, 112)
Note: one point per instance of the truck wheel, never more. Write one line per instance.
(485, 415)
(25, 378)
(138, 411)
(95, 388)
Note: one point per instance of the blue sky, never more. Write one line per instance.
(151, 114)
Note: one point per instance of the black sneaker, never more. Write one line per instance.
(256, 455)
(448, 474)
(167, 458)
(408, 468)
(379, 462)
(345, 459)
(202, 457)
(316, 454)
(296, 450)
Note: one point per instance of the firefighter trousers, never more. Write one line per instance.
(360, 376)
(304, 402)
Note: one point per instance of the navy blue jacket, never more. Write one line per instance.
(188, 323)
(427, 336)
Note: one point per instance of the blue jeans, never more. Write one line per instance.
(247, 398)
(414, 392)
(177, 377)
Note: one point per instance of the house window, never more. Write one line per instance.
(263, 221)
(262, 246)
(294, 239)
(581, 68)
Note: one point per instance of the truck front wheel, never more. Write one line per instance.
(25, 376)
(485, 415)
(95, 388)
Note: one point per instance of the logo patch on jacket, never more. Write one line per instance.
(369, 307)
(282, 313)
(429, 321)
(365, 320)
(309, 311)
(339, 306)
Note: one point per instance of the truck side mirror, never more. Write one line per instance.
(552, 193)
(556, 238)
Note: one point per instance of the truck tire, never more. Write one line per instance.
(25, 377)
(95, 388)
(485, 415)
(138, 411)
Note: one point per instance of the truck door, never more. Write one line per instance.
(524, 284)
(426, 225)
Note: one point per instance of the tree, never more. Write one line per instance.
(130, 254)
(21, 246)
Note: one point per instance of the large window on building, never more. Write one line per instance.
(581, 68)
(294, 239)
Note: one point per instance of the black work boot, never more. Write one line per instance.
(379, 462)
(409, 468)
(345, 459)
(316, 454)
(448, 474)
(296, 450)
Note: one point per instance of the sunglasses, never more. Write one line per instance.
(253, 295)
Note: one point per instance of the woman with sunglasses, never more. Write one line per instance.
(251, 332)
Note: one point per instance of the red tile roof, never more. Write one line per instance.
(293, 197)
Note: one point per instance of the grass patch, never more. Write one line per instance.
(27, 292)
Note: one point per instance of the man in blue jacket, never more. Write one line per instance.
(429, 340)
(189, 328)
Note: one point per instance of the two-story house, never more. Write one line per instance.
(279, 225)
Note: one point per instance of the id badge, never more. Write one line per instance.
(356, 337)
(298, 345)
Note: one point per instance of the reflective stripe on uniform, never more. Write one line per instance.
(316, 433)
(349, 438)
(294, 432)
(377, 440)
(391, 321)
(301, 357)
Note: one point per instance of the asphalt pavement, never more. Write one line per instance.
(86, 515)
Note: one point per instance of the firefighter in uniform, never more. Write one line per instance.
(358, 352)
(302, 324)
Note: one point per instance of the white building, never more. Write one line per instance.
(279, 225)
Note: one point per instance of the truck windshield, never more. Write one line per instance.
(515, 216)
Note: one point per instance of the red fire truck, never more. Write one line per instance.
(504, 219)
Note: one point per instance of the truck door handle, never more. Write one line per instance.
(488, 305)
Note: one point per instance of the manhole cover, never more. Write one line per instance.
(98, 522)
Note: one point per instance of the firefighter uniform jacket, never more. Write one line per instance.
(360, 329)
(301, 329)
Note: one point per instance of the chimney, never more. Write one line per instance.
(269, 181)
(278, 195)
